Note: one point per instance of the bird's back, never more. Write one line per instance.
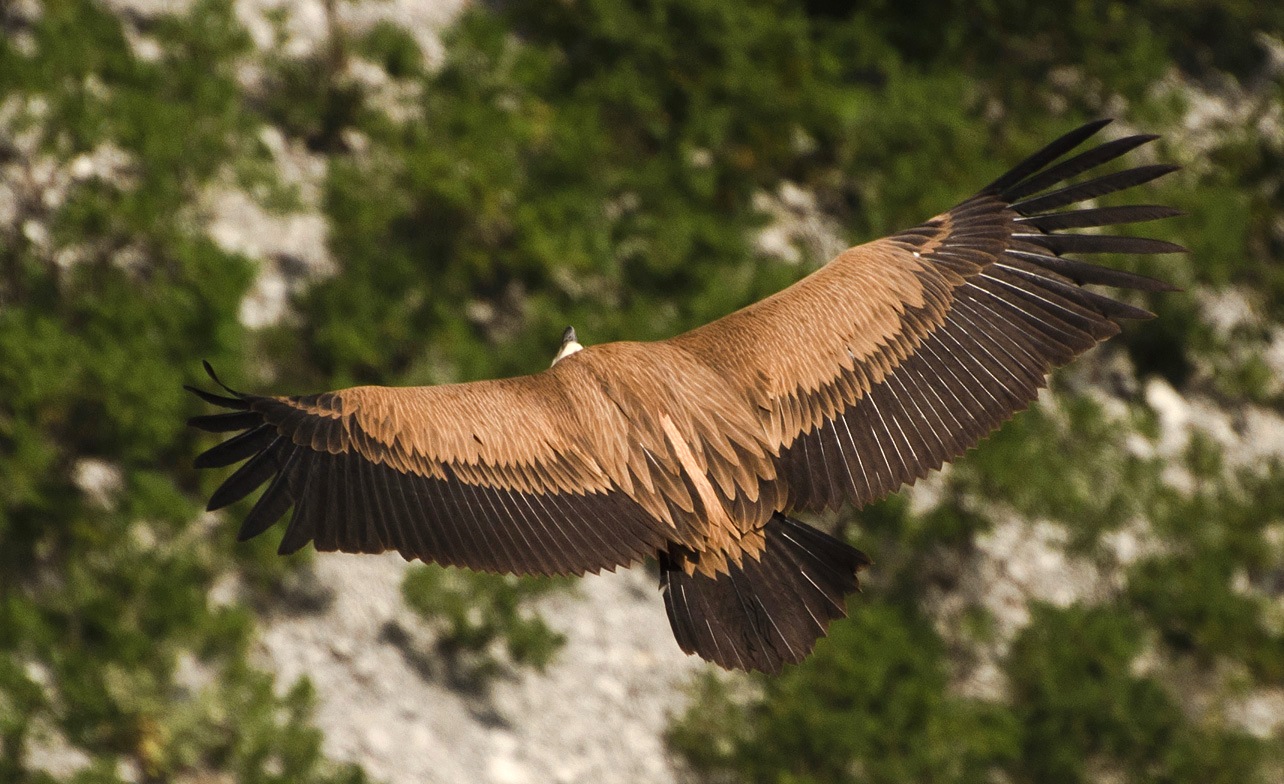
(680, 439)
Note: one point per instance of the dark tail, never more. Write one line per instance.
(767, 611)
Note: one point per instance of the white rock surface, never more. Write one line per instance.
(1015, 563)
(1249, 436)
(796, 226)
(1260, 714)
(596, 715)
(98, 479)
(305, 26)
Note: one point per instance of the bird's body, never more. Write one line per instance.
(897, 356)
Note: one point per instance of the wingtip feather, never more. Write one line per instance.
(209, 370)
(1047, 154)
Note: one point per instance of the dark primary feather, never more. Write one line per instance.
(1077, 165)
(1044, 156)
(1091, 189)
(215, 400)
(250, 476)
(1091, 273)
(237, 448)
(275, 501)
(1098, 216)
(225, 423)
(1099, 243)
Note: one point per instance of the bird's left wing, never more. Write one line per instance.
(902, 353)
(509, 475)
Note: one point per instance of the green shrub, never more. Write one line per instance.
(476, 613)
(109, 640)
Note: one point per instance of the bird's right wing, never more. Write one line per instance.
(515, 475)
(902, 353)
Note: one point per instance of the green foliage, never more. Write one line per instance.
(1087, 715)
(392, 49)
(872, 707)
(1097, 482)
(476, 613)
(1210, 596)
(596, 162)
(109, 642)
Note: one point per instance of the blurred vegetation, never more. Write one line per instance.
(602, 163)
(476, 613)
(110, 643)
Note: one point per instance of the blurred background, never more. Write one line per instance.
(317, 194)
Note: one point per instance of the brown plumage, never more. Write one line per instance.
(897, 356)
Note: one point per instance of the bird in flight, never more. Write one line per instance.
(892, 359)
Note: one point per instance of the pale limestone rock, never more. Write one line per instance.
(98, 479)
(620, 662)
(796, 226)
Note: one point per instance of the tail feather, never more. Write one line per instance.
(767, 611)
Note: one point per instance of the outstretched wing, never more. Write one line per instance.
(511, 475)
(902, 353)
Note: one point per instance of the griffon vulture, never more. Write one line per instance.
(895, 357)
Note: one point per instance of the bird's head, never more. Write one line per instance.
(569, 345)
